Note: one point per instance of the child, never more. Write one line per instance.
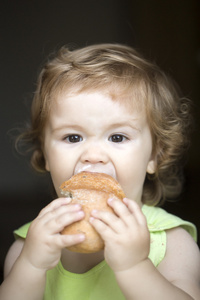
(104, 108)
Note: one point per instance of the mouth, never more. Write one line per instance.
(96, 169)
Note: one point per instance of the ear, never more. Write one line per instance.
(47, 165)
(151, 167)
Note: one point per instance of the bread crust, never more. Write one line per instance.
(91, 190)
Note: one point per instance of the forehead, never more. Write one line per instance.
(131, 99)
(94, 108)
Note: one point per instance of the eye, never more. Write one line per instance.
(73, 138)
(117, 138)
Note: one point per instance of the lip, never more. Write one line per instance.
(96, 169)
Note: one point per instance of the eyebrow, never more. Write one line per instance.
(130, 123)
(123, 123)
(64, 126)
(109, 127)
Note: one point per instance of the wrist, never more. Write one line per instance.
(25, 264)
(132, 281)
(135, 270)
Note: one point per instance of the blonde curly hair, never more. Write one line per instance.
(127, 75)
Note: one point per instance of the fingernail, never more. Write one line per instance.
(81, 213)
(81, 237)
(110, 200)
(91, 219)
(68, 200)
(94, 212)
(125, 200)
(77, 206)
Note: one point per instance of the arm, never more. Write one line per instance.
(22, 281)
(126, 251)
(181, 265)
(28, 261)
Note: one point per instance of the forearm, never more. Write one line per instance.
(23, 282)
(145, 282)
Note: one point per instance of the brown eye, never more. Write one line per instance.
(73, 138)
(117, 138)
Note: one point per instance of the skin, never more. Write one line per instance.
(90, 131)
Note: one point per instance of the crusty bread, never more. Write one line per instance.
(92, 191)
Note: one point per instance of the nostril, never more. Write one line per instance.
(94, 161)
(94, 154)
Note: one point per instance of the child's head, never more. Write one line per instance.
(128, 78)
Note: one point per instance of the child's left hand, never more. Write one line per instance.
(125, 233)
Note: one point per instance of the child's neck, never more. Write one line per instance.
(80, 262)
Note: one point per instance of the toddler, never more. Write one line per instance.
(104, 108)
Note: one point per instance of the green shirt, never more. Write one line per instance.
(99, 283)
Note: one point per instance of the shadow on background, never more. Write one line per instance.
(165, 31)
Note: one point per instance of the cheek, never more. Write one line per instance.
(58, 175)
(132, 184)
(131, 174)
(61, 167)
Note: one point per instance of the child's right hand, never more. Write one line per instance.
(44, 243)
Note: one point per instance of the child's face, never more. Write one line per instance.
(90, 131)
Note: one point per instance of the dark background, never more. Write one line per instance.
(166, 31)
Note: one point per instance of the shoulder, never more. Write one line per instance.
(181, 265)
(158, 219)
(12, 255)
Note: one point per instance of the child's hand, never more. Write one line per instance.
(44, 242)
(126, 236)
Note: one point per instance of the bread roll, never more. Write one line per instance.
(92, 191)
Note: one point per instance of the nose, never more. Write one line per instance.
(94, 153)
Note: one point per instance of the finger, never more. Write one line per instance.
(68, 240)
(110, 220)
(102, 228)
(54, 204)
(135, 209)
(53, 214)
(119, 207)
(57, 224)
(130, 213)
(123, 212)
